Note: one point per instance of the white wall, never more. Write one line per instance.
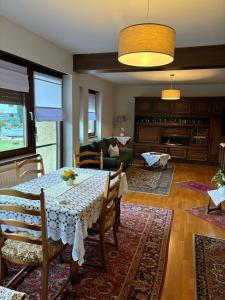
(125, 98)
(21, 42)
(83, 83)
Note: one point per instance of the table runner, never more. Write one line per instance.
(71, 214)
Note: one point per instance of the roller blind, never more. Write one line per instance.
(13, 77)
(48, 98)
(92, 107)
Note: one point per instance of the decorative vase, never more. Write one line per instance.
(69, 182)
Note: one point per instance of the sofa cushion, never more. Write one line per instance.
(86, 147)
(100, 145)
(111, 162)
(126, 154)
(113, 151)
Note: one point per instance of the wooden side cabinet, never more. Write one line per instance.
(150, 134)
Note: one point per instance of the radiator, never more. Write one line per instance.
(7, 175)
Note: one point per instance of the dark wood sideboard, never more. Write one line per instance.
(189, 129)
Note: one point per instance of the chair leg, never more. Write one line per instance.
(103, 250)
(45, 272)
(115, 236)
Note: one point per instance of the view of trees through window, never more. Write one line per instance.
(12, 126)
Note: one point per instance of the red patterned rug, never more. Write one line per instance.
(136, 271)
(209, 267)
(196, 186)
(217, 218)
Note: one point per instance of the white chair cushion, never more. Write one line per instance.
(26, 252)
(8, 294)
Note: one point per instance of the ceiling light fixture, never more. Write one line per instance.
(146, 44)
(171, 94)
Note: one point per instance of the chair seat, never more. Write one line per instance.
(110, 219)
(27, 253)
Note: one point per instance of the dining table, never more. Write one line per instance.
(70, 210)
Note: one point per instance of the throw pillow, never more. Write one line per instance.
(114, 151)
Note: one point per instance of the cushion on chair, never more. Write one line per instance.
(26, 252)
(8, 294)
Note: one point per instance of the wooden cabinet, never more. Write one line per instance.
(181, 107)
(145, 133)
(142, 106)
(178, 153)
(197, 154)
(162, 106)
(200, 107)
(187, 129)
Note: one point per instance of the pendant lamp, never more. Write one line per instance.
(171, 94)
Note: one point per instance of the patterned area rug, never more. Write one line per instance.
(209, 267)
(136, 271)
(196, 186)
(157, 181)
(217, 218)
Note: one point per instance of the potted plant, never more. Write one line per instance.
(68, 177)
(219, 179)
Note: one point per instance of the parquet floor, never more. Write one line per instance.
(179, 281)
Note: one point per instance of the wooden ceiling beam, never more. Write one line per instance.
(201, 57)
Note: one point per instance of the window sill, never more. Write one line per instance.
(11, 160)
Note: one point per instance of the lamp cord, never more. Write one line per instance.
(147, 15)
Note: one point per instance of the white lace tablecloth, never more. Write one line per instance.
(123, 139)
(7, 294)
(151, 158)
(70, 214)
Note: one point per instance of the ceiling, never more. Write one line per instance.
(199, 76)
(88, 26)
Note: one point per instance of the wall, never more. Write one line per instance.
(125, 98)
(83, 83)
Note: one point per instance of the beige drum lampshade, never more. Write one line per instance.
(146, 45)
(170, 94)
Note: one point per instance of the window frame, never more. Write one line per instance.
(93, 134)
(29, 104)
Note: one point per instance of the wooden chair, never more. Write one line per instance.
(77, 162)
(20, 247)
(20, 174)
(108, 216)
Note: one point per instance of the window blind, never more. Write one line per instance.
(13, 77)
(48, 98)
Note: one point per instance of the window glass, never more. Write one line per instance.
(92, 115)
(13, 133)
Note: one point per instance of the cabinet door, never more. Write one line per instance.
(197, 154)
(162, 106)
(143, 106)
(218, 106)
(200, 107)
(181, 107)
(215, 138)
(178, 153)
(148, 134)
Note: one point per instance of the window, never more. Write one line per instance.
(14, 108)
(48, 115)
(92, 114)
(13, 133)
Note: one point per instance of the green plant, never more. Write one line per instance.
(219, 178)
(68, 174)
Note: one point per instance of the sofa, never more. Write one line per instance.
(110, 163)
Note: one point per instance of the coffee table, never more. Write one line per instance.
(156, 159)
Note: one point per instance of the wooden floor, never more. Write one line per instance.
(179, 282)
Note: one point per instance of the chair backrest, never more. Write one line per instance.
(111, 194)
(79, 161)
(34, 162)
(40, 213)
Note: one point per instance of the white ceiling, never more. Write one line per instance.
(88, 26)
(163, 77)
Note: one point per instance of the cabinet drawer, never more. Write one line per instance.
(196, 154)
(178, 153)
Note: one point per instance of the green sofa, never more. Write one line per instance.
(110, 163)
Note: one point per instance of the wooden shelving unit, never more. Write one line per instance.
(189, 129)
